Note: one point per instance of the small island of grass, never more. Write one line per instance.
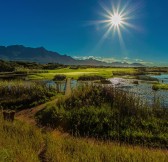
(160, 86)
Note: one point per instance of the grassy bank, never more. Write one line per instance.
(21, 142)
(108, 113)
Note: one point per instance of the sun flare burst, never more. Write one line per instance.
(116, 19)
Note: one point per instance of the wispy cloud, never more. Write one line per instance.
(126, 58)
(112, 59)
(108, 60)
(138, 60)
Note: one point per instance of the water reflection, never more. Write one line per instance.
(162, 78)
(59, 86)
(143, 90)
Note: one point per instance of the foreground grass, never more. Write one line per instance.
(75, 73)
(81, 150)
(20, 142)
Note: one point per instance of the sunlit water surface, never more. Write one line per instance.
(142, 90)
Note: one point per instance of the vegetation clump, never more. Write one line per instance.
(6, 66)
(127, 72)
(17, 95)
(90, 78)
(105, 81)
(108, 113)
(59, 77)
(160, 86)
(135, 82)
(146, 78)
(74, 67)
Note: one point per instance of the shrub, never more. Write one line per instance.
(155, 87)
(58, 118)
(105, 81)
(90, 78)
(135, 82)
(59, 77)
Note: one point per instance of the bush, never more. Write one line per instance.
(105, 81)
(155, 87)
(58, 118)
(90, 78)
(135, 82)
(59, 77)
(74, 67)
(122, 73)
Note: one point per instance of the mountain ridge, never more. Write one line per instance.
(41, 55)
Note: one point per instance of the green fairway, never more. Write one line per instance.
(75, 73)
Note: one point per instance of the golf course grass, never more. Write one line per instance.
(75, 73)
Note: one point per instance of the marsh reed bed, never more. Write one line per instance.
(107, 113)
(18, 95)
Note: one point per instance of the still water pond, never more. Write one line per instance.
(143, 90)
(162, 78)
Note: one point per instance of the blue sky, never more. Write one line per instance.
(66, 26)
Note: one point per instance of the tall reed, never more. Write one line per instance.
(22, 94)
(109, 113)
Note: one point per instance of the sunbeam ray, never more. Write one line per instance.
(117, 19)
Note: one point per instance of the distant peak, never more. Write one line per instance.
(90, 59)
(41, 48)
(15, 46)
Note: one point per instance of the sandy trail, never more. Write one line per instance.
(28, 115)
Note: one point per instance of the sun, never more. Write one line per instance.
(116, 19)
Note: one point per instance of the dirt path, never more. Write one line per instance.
(27, 115)
(68, 87)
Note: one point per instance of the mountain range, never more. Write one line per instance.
(41, 55)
